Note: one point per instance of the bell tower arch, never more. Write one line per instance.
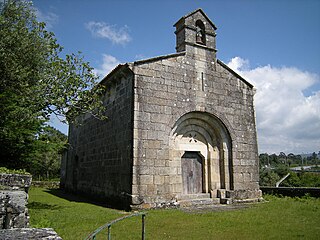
(200, 32)
(195, 30)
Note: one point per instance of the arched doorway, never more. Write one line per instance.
(202, 144)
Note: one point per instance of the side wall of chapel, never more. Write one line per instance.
(99, 158)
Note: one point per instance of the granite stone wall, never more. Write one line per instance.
(98, 162)
(14, 216)
(13, 200)
(166, 89)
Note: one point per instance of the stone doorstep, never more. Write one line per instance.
(248, 200)
(194, 196)
(226, 201)
(199, 202)
(203, 199)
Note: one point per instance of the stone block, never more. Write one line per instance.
(142, 116)
(177, 188)
(247, 162)
(146, 179)
(238, 177)
(162, 153)
(159, 163)
(151, 190)
(144, 170)
(161, 171)
(175, 163)
(167, 62)
(152, 135)
(152, 144)
(158, 179)
(152, 108)
(146, 162)
(163, 189)
(177, 179)
(151, 154)
(167, 180)
(142, 190)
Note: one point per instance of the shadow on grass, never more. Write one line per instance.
(80, 198)
(40, 206)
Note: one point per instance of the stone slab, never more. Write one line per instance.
(29, 233)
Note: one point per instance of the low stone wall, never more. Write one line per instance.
(13, 200)
(29, 233)
(13, 210)
(14, 217)
(292, 191)
(15, 182)
(46, 184)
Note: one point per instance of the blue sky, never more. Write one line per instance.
(275, 44)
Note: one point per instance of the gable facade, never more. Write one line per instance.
(180, 127)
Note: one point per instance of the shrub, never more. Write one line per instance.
(13, 171)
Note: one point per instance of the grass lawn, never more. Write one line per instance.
(279, 218)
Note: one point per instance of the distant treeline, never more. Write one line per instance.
(273, 167)
(290, 160)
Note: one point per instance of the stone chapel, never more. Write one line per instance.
(180, 130)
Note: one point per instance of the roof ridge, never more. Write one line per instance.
(234, 73)
(158, 58)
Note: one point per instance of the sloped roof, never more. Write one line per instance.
(234, 73)
(159, 58)
(127, 66)
(118, 68)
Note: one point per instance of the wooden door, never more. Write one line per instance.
(191, 165)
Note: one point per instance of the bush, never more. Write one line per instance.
(13, 171)
(268, 177)
(303, 179)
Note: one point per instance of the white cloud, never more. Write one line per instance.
(287, 120)
(111, 32)
(108, 63)
(49, 18)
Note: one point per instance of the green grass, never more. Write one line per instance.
(278, 218)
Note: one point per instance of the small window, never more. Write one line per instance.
(200, 33)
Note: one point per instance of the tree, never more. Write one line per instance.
(268, 177)
(44, 160)
(292, 181)
(314, 158)
(264, 159)
(291, 156)
(283, 157)
(282, 170)
(36, 82)
(274, 159)
(299, 160)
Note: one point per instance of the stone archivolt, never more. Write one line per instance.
(204, 133)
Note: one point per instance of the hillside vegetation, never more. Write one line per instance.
(273, 167)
